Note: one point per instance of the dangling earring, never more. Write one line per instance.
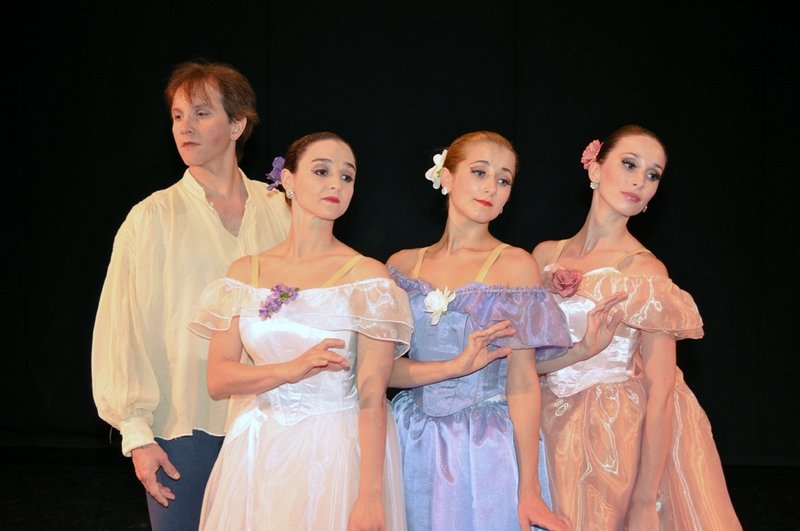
(501, 210)
(593, 185)
(289, 194)
(644, 209)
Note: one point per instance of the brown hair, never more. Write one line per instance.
(299, 146)
(238, 97)
(626, 130)
(457, 149)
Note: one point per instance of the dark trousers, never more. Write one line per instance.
(194, 457)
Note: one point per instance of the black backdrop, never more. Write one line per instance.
(399, 81)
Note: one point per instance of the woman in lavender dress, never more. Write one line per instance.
(470, 441)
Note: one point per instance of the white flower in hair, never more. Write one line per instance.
(435, 173)
(436, 303)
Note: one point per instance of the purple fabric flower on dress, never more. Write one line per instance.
(274, 177)
(278, 296)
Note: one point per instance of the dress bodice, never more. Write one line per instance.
(654, 304)
(375, 307)
(598, 410)
(279, 339)
(539, 322)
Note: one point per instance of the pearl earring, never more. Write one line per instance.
(289, 194)
(593, 185)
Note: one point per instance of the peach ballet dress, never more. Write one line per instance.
(592, 414)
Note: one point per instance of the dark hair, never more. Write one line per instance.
(626, 130)
(457, 149)
(299, 146)
(238, 97)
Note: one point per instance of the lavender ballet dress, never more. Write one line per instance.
(456, 436)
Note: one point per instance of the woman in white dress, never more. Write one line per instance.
(311, 444)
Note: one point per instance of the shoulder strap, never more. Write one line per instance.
(418, 265)
(490, 261)
(254, 270)
(637, 251)
(343, 271)
(558, 250)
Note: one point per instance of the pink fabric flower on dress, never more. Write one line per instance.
(563, 281)
(590, 153)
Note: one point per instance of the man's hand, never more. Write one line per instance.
(146, 462)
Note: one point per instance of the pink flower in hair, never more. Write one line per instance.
(590, 153)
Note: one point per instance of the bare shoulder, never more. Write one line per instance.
(644, 264)
(520, 267)
(369, 267)
(403, 260)
(240, 269)
(544, 251)
(517, 255)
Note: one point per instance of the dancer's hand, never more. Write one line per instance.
(601, 323)
(317, 359)
(533, 511)
(367, 514)
(477, 355)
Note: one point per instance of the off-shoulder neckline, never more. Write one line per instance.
(611, 269)
(316, 288)
(472, 285)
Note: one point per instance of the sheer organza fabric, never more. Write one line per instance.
(592, 415)
(291, 457)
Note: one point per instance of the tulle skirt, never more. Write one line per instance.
(305, 476)
(592, 444)
(460, 470)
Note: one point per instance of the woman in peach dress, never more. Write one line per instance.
(627, 444)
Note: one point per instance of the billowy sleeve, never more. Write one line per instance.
(124, 384)
(376, 308)
(219, 303)
(654, 303)
(533, 312)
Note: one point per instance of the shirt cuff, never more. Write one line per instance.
(135, 433)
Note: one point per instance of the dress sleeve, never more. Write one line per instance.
(654, 304)
(219, 303)
(534, 313)
(382, 311)
(376, 308)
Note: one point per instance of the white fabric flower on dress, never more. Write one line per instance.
(436, 303)
(435, 173)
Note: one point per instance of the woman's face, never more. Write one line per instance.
(324, 179)
(481, 183)
(628, 177)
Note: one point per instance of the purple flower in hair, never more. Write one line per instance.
(274, 177)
